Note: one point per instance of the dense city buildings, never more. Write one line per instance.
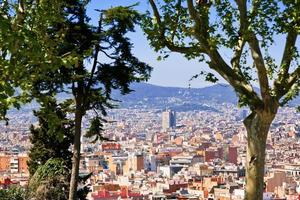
(148, 158)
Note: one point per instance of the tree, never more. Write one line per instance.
(53, 136)
(51, 142)
(8, 20)
(45, 49)
(28, 49)
(247, 30)
(22, 42)
(91, 88)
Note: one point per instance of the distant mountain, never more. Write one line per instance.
(181, 99)
(218, 92)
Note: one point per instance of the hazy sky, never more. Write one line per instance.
(175, 70)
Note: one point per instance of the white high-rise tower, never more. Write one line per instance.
(168, 119)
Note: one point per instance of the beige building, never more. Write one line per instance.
(122, 165)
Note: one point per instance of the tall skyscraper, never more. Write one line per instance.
(168, 119)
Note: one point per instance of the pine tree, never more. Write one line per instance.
(52, 137)
(91, 86)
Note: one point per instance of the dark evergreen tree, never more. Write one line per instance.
(50, 156)
(91, 85)
(52, 137)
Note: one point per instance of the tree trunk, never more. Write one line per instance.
(76, 152)
(257, 126)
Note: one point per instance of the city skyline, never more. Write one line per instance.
(208, 148)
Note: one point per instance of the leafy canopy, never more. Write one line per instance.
(27, 50)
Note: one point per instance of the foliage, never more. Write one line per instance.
(53, 136)
(47, 47)
(26, 50)
(13, 193)
(50, 181)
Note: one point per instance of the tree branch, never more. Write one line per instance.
(109, 56)
(260, 66)
(217, 63)
(20, 15)
(233, 75)
(97, 49)
(201, 29)
(285, 62)
(21, 8)
(238, 50)
(288, 52)
(170, 44)
(178, 6)
(255, 50)
(235, 61)
(242, 6)
(237, 81)
(288, 83)
(193, 12)
(293, 77)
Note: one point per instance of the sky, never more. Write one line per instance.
(176, 70)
